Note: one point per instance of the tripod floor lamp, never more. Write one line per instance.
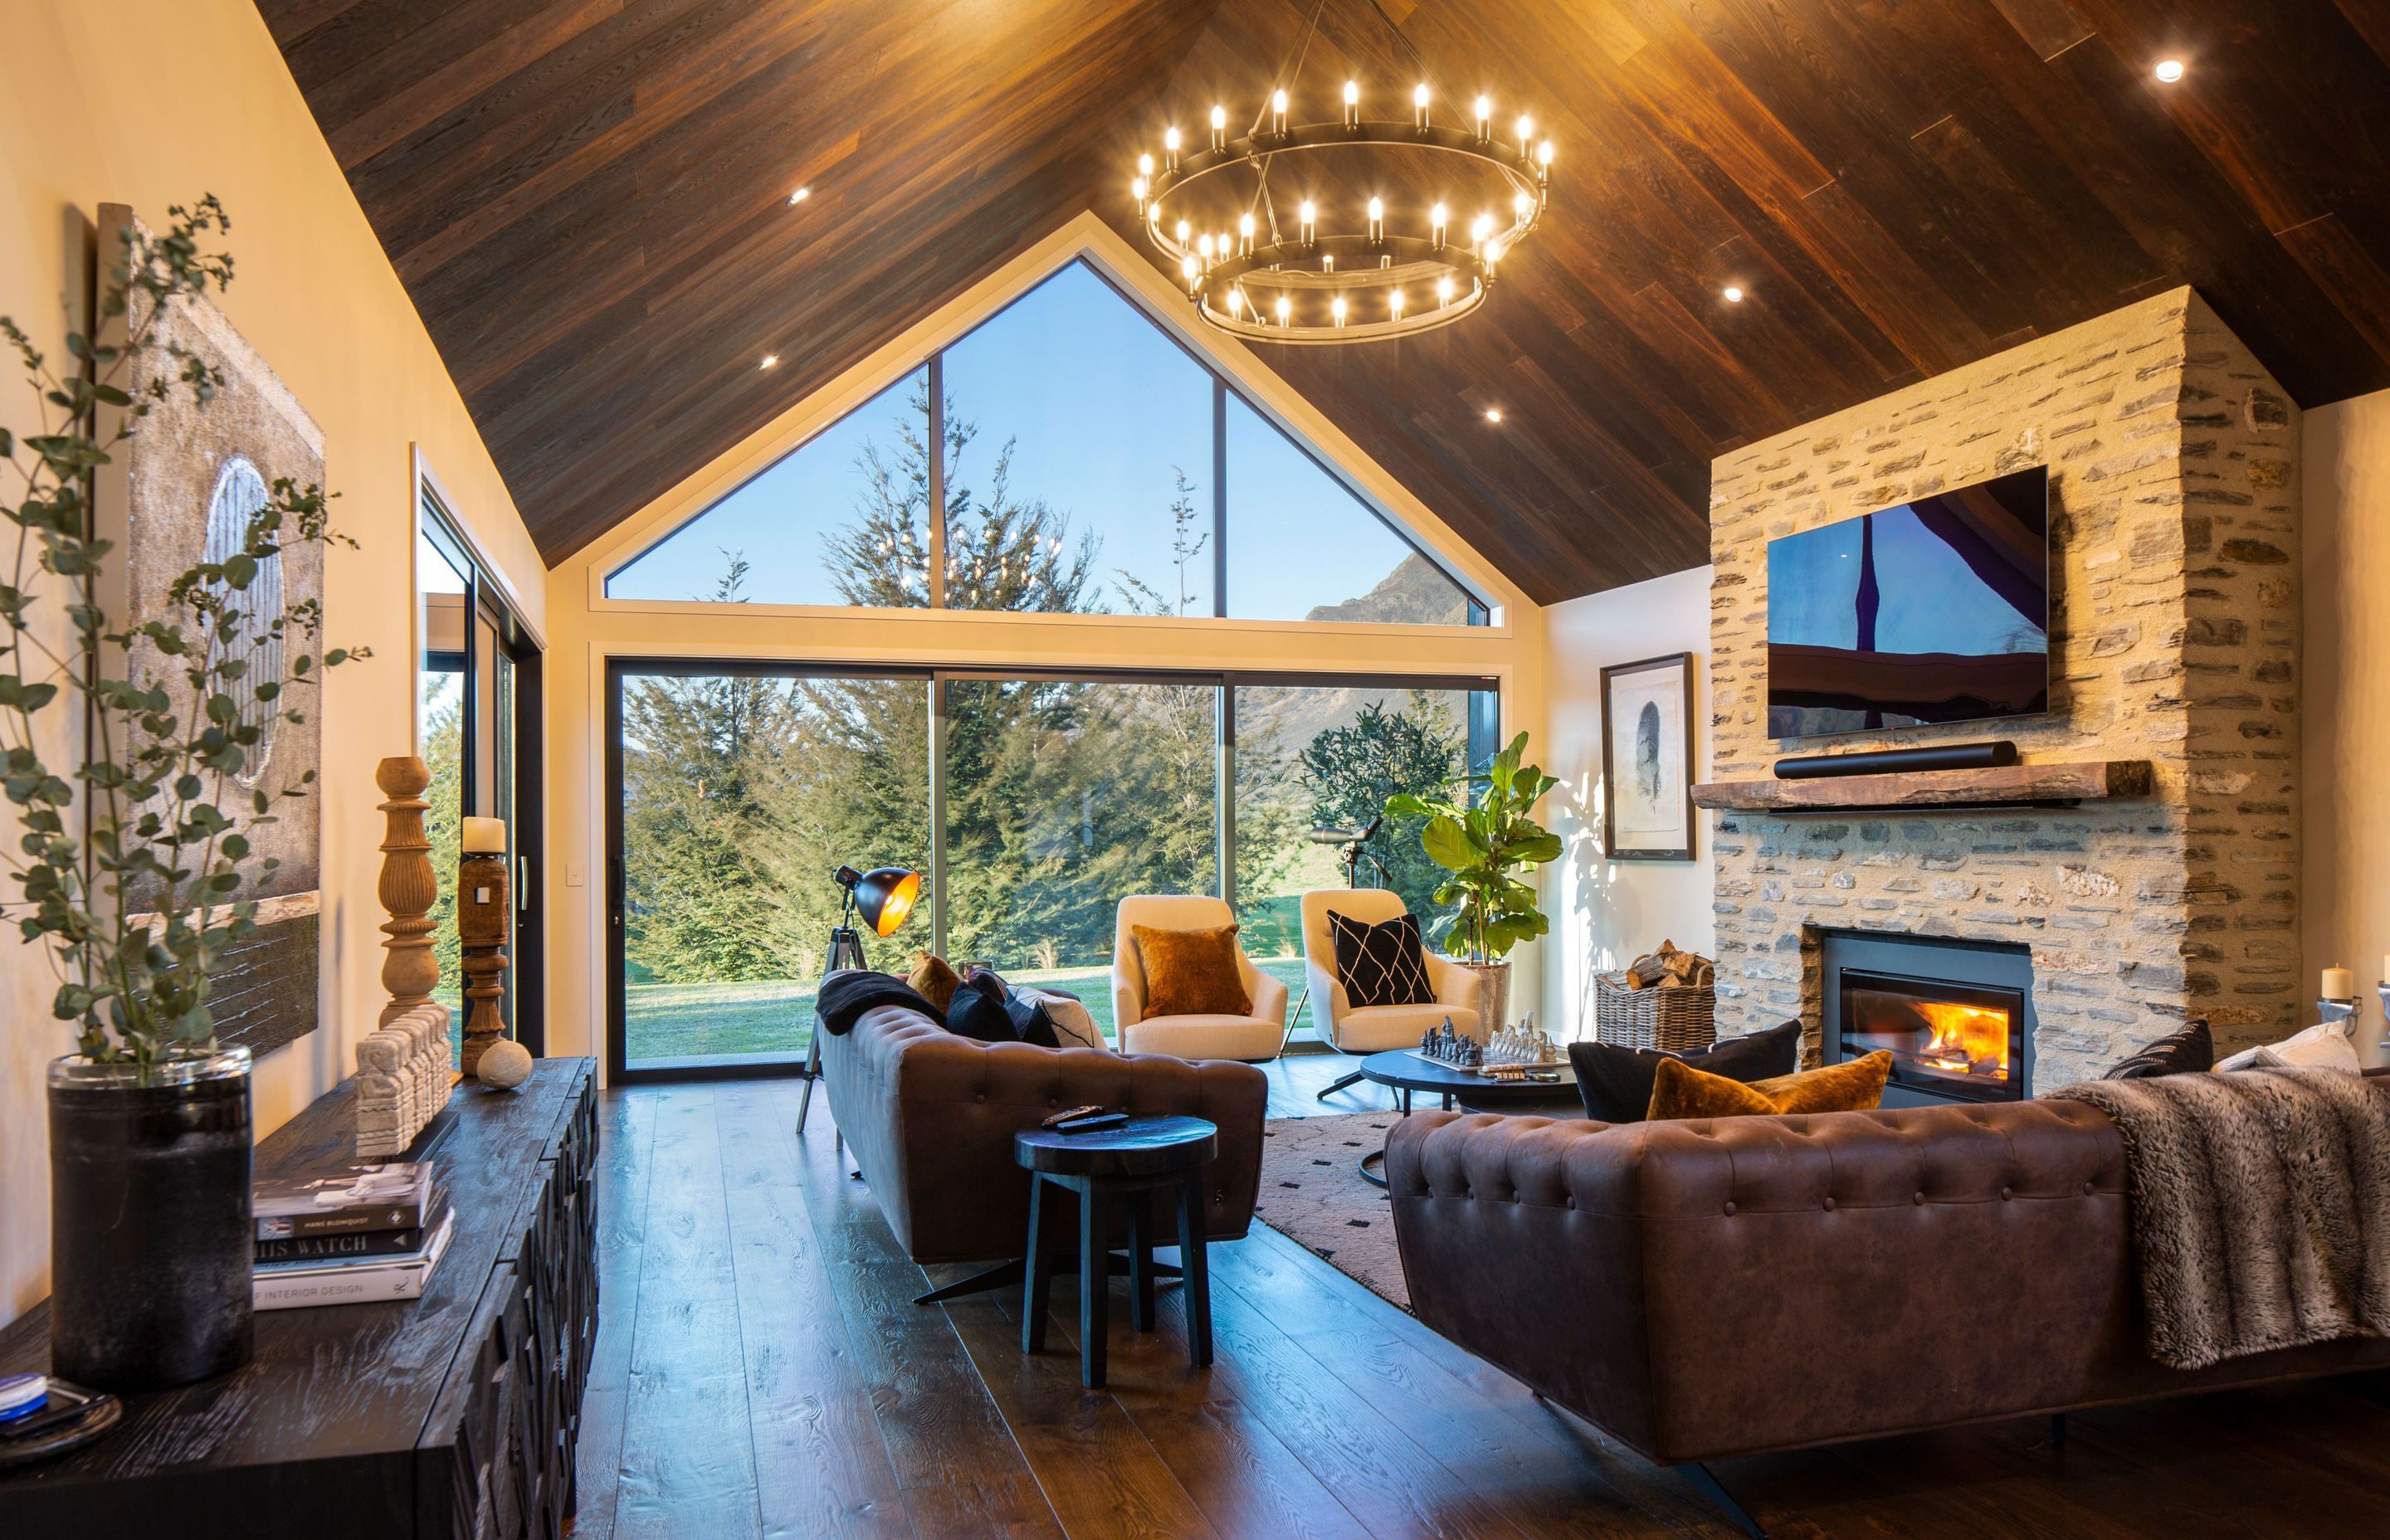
(880, 898)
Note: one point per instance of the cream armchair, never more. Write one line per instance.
(1373, 1029)
(1257, 1035)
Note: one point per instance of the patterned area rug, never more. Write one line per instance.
(1314, 1194)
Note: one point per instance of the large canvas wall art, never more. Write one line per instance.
(182, 492)
(1647, 741)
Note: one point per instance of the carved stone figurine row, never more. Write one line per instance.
(402, 1080)
(1521, 1044)
(1452, 1048)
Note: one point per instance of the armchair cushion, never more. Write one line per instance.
(1381, 964)
(1192, 972)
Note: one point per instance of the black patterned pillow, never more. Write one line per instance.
(1382, 964)
(2184, 1052)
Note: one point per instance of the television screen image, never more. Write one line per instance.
(1937, 610)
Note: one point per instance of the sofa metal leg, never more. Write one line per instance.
(1705, 1480)
(1352, 1079)
(1003, 1276)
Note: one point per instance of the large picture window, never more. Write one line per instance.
(1067, 456)
(1033, 803)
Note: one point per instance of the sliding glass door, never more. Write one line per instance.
(1031, 802)
(477, 729)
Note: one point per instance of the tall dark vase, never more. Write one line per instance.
(151, 1243)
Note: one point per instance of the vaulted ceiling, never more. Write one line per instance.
(588, 201)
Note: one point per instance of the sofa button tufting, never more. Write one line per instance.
(981, 1097)
(2087, 1189)
(1830, 1205)
(2006, 1194)
(1919, 1198)
(1729, 1209)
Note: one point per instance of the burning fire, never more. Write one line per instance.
(1967, 1039)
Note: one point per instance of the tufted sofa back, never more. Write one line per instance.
(930, 1117)
(1711, 1287)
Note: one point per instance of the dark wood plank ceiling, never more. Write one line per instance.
(588, 200)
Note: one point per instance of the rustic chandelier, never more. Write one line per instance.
(1349, 282)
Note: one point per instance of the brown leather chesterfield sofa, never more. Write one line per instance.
(931, 1117)
(1713, 1288)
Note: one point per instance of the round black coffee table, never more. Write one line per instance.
(1129, 1161)
(1407, 1073)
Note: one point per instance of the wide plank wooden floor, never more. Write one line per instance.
(763, 1371)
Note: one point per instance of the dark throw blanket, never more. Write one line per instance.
(2261, 1207)
(848, 992)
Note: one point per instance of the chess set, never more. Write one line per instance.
(1514, 1053)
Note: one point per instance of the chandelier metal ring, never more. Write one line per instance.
(1246, 287)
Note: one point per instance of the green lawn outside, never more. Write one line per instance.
(711, 1021)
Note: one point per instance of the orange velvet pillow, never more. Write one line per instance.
(934, 979)
(1190, 972)
(1681, 1091)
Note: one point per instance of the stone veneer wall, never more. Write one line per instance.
(2174, 493)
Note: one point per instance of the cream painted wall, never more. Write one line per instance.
(153, 102)
(1606, 913)
(586, 628)
(2345, 734)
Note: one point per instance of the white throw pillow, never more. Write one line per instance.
(1074, 1028)
(2322, 1047)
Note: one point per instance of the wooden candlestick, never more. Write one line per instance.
(482, 900)
(408, 888)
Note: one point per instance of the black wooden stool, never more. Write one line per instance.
(1129, 1162)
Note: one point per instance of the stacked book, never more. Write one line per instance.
(356, 1233)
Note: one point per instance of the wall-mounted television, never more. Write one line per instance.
(1937, 610)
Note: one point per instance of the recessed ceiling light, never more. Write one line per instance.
(2169, 70)
(1493, 414)
(770, 360)
(799, 196)
(1733, 292)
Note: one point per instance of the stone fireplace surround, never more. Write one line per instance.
(2174, 534)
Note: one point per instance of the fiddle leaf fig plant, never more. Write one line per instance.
(121, 741)
(1486, 840)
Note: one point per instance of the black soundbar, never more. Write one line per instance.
(1941, 756)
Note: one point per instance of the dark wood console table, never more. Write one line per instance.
(455, 1415)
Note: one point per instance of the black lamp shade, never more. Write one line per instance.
(885, 896)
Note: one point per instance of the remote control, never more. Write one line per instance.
(1089, 1125)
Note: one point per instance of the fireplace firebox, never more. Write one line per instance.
(1956, 1016)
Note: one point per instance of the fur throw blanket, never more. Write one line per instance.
(2260, 1207)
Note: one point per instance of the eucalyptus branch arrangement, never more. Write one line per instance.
(1484, 840)
(138, 846)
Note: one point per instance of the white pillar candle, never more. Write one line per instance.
(2340, 984)
(485, 837)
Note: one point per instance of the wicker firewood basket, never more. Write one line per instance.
(1671, 1019)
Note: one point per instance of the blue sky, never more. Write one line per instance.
(1103, 406)
(1930, 600)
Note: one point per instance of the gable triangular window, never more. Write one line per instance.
(1087, 463)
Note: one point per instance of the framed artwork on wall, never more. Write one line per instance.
(1647, 757)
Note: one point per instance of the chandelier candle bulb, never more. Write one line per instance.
(1336, 309)
(1443, 292)
(1170, 147)
(1277, 112)
(1526, 132)
(1245, 235)
(1185, 232)
(1419, 105)
(1485, 117)
(1377, 219)
(1395, 303)
(1309, 214)
(1219, 127)
(1436, 223)
(1352, 104)
(1285, 309)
